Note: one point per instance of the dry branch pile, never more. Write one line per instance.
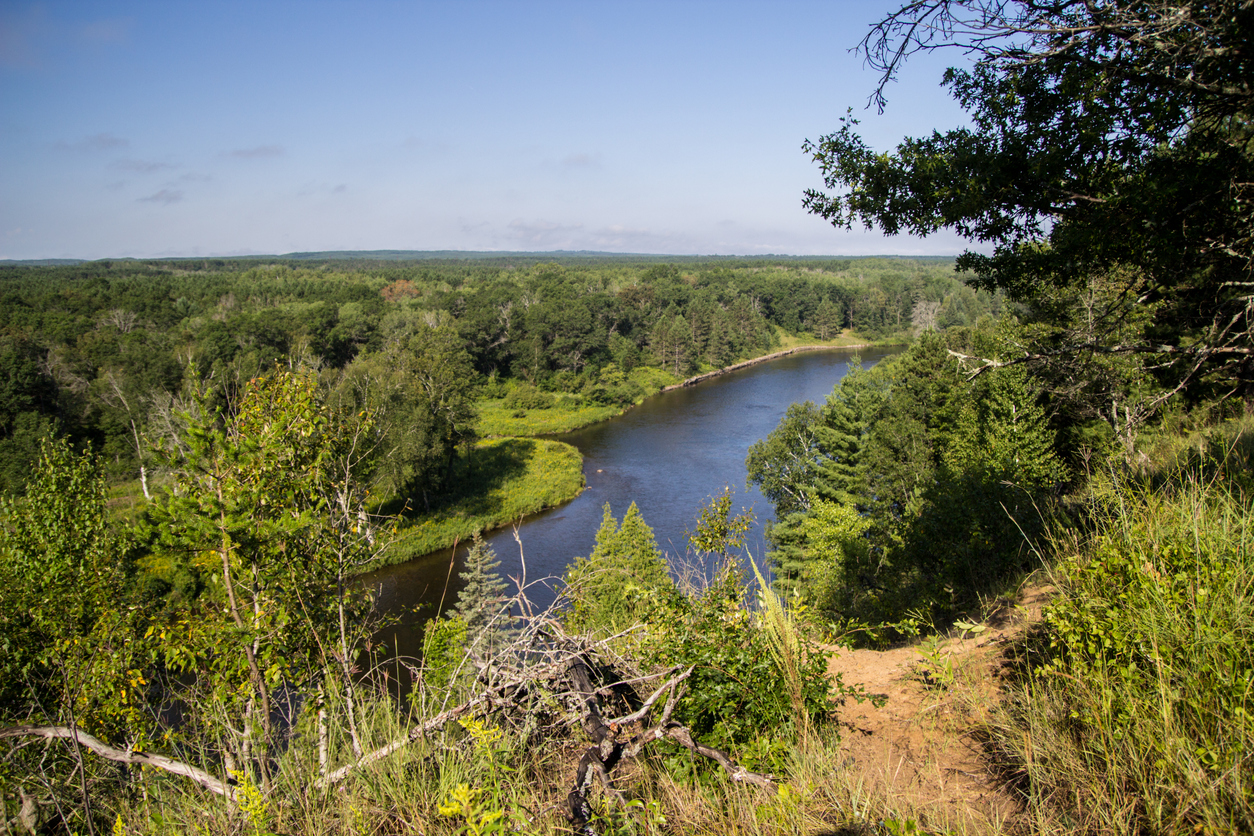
(522, 673)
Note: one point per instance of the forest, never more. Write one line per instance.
(202, 455)
(104, 352)
(198, 456)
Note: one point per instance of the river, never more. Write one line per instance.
(669, 455)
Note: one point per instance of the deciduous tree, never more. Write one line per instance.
(1104, 135)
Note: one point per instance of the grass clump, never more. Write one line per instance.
(1138, 714)
(496, 418)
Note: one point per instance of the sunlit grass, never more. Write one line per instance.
(1140, 720)
(499, 482)
(496, 419)
(568, 413)
(846, 339)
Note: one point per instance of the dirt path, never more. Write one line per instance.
(919, 751)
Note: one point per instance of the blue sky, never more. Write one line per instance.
(218, 128)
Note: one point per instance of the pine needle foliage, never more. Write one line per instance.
(481, 604)
(624, 577)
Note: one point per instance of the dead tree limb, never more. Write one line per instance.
(608, 748)
(108, 752)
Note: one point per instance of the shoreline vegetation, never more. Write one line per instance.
(766, 358)
(532, 460)
(524, 477)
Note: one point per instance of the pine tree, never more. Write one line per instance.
(612, 587)
(827, 320)
(840, 439)
(995, 470)
(718, 350)
(481, 605)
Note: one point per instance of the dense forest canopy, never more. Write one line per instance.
(103, 352)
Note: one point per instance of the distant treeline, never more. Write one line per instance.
(102, 351)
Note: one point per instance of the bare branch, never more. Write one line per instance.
(108, 752)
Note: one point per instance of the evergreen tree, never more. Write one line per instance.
(612, 588)
(979, 518)
(826, 320)
(680, 347)
(481, 604)
(718, 349)
(840, 439)
(820, 554)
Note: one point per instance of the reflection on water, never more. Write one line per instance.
(669, 456)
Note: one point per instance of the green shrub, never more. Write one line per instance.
(738, 695)
(443, 649)
(526, 396)
(1141, 714)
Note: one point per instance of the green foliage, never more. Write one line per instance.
(72, 648)
(717, 531)
(497, 420)
(265, 506)
(914, 488)
(623, 579)
(481, 603)
(417, 392)
(1142, 700)
(739, 687)
(443, 650)
(526, 396)
(1102, 137)
(820, 555)
(982, 514)
(62, 570)
(813, 453)
(784, 465)
(496, 482)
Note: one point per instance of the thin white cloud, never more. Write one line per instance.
(580, 160)
(165, 196)
(258, 152)
(542, 233)
(340, 189)
(141, 166)
(95, 142)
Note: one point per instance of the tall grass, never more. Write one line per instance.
(1139, 717)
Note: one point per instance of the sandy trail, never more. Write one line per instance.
(920, 751)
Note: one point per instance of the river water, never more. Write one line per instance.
(669, 455)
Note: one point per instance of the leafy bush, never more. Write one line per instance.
(443, 648)
(526, 396)
(738, 693)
